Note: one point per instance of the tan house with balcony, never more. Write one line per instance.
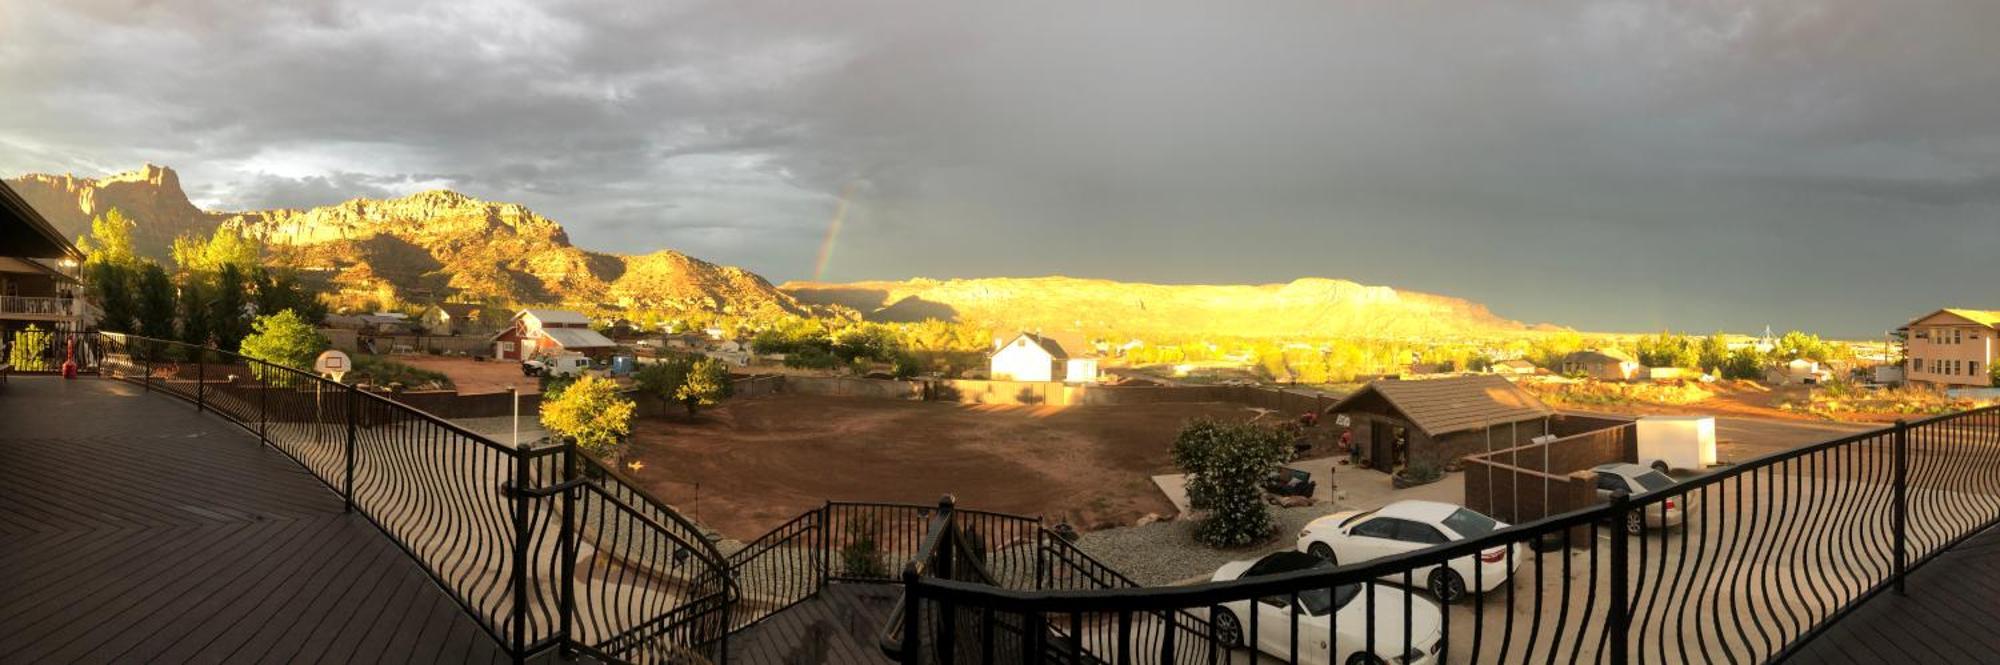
(1952, 348)
(35, 288)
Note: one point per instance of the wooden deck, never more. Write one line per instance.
(1946, 615)
(133, 529)
(841, 624)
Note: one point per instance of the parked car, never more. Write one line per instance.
(1287, 481)
(1340, 612)
(1638, 479)
(1408, 526)
(568, 364)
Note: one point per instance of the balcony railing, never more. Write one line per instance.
(36, 306)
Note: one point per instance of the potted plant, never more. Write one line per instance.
(1418, 472)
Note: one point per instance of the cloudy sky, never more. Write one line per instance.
(1825, 165)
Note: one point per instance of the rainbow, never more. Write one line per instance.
(832, 231)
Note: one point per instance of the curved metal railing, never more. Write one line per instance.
(1753, 562)
(541, 545)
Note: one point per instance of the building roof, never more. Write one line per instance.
(557, 316)
(457, 310)
(24, 232)
(578, 338)
(1054, 348)
(1456, 404)
(1984, 317)
(1514, 362)
(1599, 355)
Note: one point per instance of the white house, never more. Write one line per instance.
(1032, 357)
(538, 331)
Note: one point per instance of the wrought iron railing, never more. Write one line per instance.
(543, 546)
(1746, 564)
(37, 306)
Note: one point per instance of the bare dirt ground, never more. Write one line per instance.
(762, 461)
(472, 376)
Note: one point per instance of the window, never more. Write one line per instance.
(1611, 482)
(1417, 532)
(1972, 368)
(1469, 524)
(1377, 528)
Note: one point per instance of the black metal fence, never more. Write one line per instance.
(1746, 564)
(545, 547)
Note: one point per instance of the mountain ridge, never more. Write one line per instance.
(427, 246)
(1304, 307)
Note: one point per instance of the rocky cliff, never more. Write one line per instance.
(422, 247)
(1310, 307)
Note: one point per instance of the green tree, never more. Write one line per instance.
(693, 381)
(156, 302)
(227, 316)
(110, 240)
(1744, 364)
(30, 350)
(591, 412)
(225, 247)
(1226, 464)
(280, 290)
(283, 339)
(109, 284)
(1713, 354)
(194, 313)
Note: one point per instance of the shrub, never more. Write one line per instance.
(590, 411)
(812, 358)
(1226, 464)
(906, 366)
(282, 339)
(861, 557)
(383, 371)
(693, 381)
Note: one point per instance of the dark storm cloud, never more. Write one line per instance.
(1624, 165)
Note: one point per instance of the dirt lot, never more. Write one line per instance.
(762, 461)
(472, 376)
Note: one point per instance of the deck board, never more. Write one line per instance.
(133, 528)
(841, 624)
(1946, 615)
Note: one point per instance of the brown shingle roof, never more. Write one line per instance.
(1443, 406)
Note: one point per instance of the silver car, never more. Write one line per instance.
(1637, 479)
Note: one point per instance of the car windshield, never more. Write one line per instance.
(1469, 524)
(1318, 602)
(1654, 480)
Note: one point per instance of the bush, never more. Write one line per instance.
(812, 358)
(591, 412)
(381, 371)
(693, 381)
(861, 557)
(283, 339)
(906, 366)
(1226, 464)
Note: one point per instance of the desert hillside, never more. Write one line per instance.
(422, 247)
(1303, 307)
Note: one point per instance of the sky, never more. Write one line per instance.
(1622, 166)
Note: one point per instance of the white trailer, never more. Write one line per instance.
(1677, 442)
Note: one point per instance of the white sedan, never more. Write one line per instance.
(1408, 526)
(1340, 612)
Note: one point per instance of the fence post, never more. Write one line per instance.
(147, 380)
(200, 379)
(1902, 521)
(942, 569)
(567, 599)
(825, 545)
(520, 611)
(913, 607)
(352, 406)
(263, 403)
(1621, 604)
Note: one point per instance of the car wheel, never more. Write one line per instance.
(1635, 523)
(1660, 466)
(1446, 584)
(1228, 632)
(1364, 659)
(1323, 551)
